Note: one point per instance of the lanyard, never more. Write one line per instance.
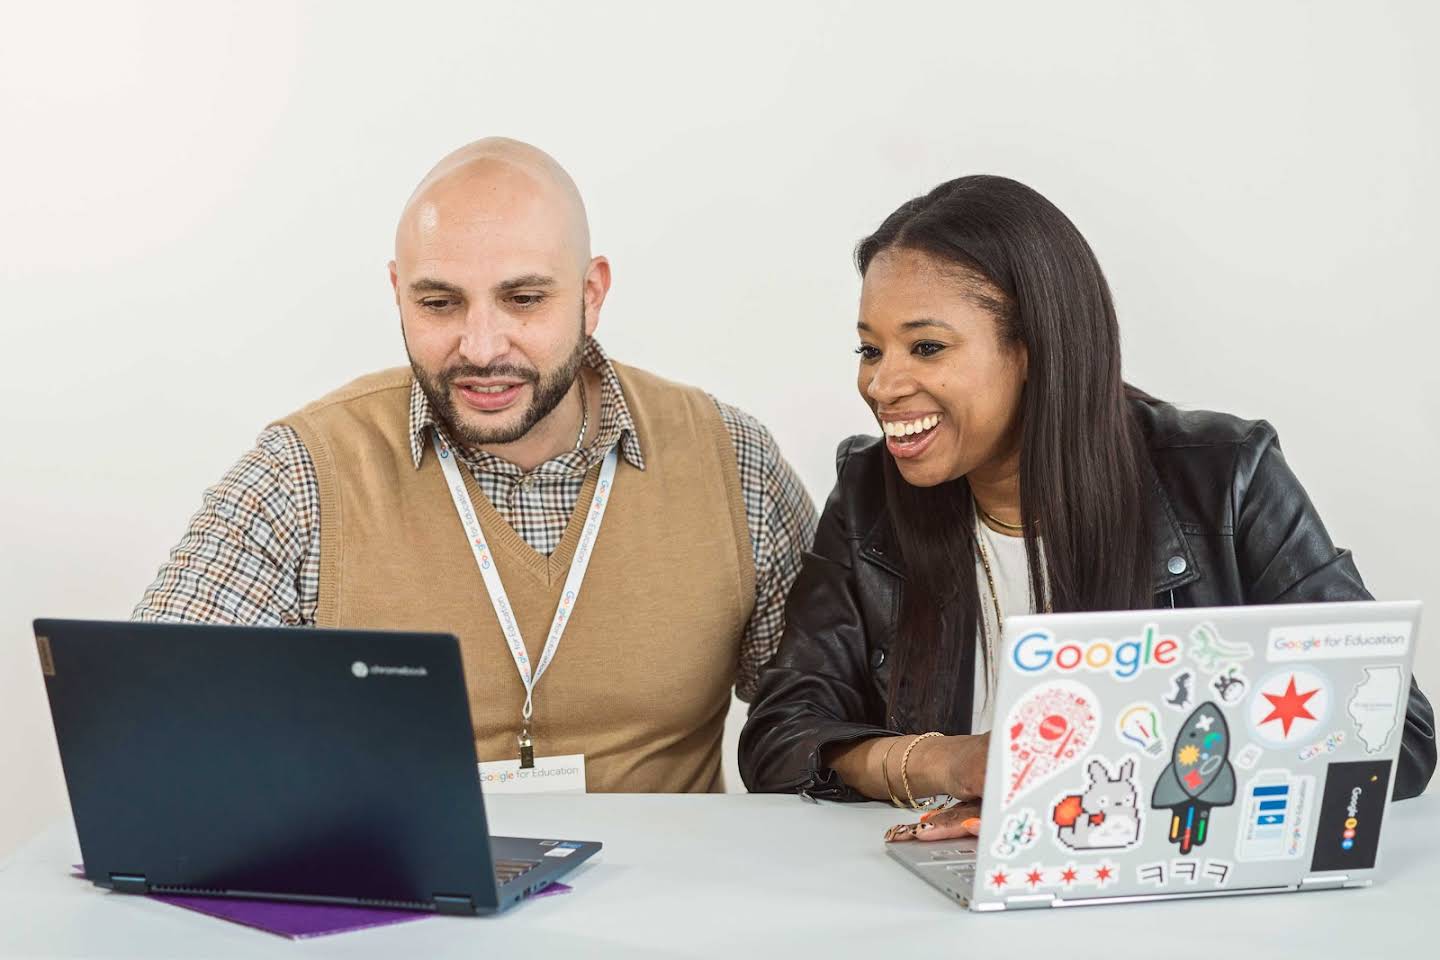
(500, 600)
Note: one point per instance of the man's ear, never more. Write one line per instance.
(597, 285)
(395, 282)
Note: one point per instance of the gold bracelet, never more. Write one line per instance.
(905, 764)
(885, 772)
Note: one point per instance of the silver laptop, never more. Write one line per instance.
(1151, 754)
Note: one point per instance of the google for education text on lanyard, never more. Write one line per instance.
(503, 774)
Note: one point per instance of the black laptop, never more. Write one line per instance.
(281, 763)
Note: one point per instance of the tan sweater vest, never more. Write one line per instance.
(641, 681)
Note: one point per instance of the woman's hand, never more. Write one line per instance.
(954, 766)
(951, 823)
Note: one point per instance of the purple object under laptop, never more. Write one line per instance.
(300, 921)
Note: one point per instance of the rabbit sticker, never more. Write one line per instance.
(1106, 816)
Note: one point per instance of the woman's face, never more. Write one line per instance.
(943, 385)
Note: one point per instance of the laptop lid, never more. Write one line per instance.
(1161, 753)
(331, 765)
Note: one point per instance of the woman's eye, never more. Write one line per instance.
(867, 352)
(928, 348)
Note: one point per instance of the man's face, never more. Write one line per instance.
(495, 303)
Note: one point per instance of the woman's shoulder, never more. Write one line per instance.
(1168, 427)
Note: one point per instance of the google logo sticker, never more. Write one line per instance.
(1040, 650)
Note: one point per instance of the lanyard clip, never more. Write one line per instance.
(527, 749)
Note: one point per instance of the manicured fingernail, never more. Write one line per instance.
(926, 816)
(973, 824)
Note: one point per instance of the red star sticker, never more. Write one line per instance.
(1193, 779)
(1289, 706)
(1069, 875)
(1034, 877)
(1102, 874)
(999, 879)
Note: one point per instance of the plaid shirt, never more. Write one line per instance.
(252, 553)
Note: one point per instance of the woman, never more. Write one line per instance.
(1018, 473)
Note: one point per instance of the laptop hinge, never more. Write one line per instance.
(453, 903)
(1030, 901)
(1330, 882)
(129, 883)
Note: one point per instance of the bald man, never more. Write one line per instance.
(612, 549)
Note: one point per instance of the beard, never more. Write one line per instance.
(548, 389)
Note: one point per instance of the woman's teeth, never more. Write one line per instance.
(897, 428)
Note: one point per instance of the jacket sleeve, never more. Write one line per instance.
(1286, 556)
(817, 690)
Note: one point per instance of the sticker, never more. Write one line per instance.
(1198, 778)
(1068, 876)
(1140, 725)
(1049, 730)
(1353, 803)
(1229, 685)
(1289, 706)
(1217, 872)
(1374, 707)
(1274, 809)
(1040, 650)
(1019, 832)
(1151, 873)
(1329, 745)
(1106, 816)
(1180, 696)
(548, 843)
(1248, 756)
(1338, 641)
(1211, 651)
(559, 852)
(1160, 873)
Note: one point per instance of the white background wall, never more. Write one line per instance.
(197, 199)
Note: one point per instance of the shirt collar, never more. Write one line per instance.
(616, 424)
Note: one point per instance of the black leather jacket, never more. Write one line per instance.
(1231, 525)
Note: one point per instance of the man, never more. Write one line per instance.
(467, 494)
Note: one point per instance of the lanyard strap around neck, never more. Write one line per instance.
(499, 599)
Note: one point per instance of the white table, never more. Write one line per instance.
(750, 876)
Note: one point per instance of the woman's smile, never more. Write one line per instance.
(908, 435)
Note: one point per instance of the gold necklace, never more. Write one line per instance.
(584, 412)
(990, 671)
(997, 521)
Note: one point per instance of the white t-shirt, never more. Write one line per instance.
(1011, 571)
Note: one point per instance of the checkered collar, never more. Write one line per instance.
(616, 426)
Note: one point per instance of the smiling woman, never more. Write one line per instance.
(1019, 473)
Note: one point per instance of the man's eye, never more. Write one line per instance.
(527, 299)
(867, 352)
(928, 348)
(437, 303)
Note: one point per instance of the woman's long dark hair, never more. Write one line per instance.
(1083, 466)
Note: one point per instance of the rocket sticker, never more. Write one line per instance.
(1198, 778)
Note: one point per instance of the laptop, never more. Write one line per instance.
(1165, 754)
(330, 766)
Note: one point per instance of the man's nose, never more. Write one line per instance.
(486, 337)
